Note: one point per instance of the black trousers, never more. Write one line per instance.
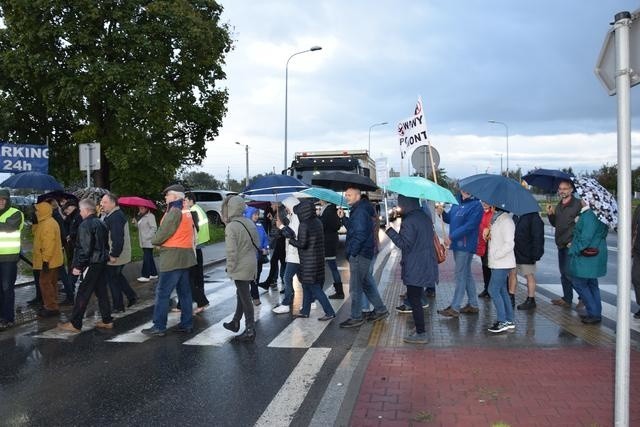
(244, 304)
(196, 280)
(92, 280)
(635, 277)
(414, 294)
(279, 254)
(254, 284)
(486, 271)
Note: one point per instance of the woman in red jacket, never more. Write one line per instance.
(481, 249)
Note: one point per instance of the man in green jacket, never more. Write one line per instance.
(176, 238)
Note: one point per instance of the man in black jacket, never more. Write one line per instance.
(529, 248)
(89, 261)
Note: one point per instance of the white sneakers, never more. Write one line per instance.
(144, 279)
(153, 277)
(281, 309)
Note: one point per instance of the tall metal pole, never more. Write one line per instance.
(622, 29)
(506, 128)
(371, 127)
(246, 181)
(286, 97)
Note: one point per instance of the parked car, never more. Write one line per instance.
(211, 202)
(25, 204)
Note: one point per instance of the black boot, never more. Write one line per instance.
(528, 304)
(249, 335)
(339, 294)
(233, 326)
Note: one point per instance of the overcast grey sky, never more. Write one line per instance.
(528, 64)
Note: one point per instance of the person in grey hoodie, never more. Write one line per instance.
(241, 242)
(147, 226)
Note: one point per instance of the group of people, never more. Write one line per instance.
(510, 245)
(307, 241)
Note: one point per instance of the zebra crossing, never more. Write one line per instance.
(299, 333)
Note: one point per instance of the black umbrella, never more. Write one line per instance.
(547, 179)
(341, 180)
(56, 195)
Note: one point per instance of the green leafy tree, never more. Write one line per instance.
(200, 181)
(137, 76)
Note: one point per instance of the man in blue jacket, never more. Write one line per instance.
(359, 249)
(464, 222)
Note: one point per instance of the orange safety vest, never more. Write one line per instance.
(183, 237)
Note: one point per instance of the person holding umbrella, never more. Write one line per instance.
(588, 247)
(419, 262)
(563, 218)
(331, 225)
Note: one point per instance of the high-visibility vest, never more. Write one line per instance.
(203, 224)
(183, 237)
(10, 240)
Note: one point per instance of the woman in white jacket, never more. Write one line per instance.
(501, 260)
(292, 259)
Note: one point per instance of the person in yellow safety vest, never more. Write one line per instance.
(196, 273)
(11, 223)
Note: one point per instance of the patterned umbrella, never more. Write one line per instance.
(600, 201)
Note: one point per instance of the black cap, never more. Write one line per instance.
(175, 187)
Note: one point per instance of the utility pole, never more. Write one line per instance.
(228, 178)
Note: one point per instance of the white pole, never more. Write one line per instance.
(623, 89)
(89, 146)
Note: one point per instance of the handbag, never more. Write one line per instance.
(441, 251)
(589, 252)
(263, 258)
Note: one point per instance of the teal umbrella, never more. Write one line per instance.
(416, 186)
(324, 194)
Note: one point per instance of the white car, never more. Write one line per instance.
(211, 202)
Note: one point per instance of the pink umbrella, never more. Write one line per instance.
(135, 201)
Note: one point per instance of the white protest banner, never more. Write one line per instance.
(413, 131)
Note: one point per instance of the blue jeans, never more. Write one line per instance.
(315, 292)
(565, 279)
(361, 282)
(500, 294)
(366, 304)
(464, 280)
(68, 282)
(590, 293)
(148, 263)
(8, 274)
(170, 280)
(333, 266)
(290, 270)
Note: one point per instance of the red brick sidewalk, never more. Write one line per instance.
(570, 386)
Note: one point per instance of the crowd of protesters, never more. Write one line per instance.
(302, 240)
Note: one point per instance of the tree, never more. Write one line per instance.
(607, 176)
(201, 181)
(138, 77)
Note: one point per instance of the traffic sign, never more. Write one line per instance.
(606, 64)
(420, 159)
(90, 157)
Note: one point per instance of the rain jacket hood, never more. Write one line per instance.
(249, 211)
(305, 210)
(43, 211)
(290, 203)
(233, 207)
(408, 204)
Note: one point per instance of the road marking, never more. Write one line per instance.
(286, 403)
(135, 335)
(608, 310)
(217, 336)
(302, 333)
(89, 323)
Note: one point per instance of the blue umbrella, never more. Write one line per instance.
(501, 192)
(324, 194)
(547, 179)
(273, 188)
(34, 180)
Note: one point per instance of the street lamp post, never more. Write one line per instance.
(506, 128)
(286, 96)
(371, 127)
(246, 150)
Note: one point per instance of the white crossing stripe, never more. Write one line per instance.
(302, 333)
(286, 403)
(136, 336)
(89, 323)
(608, 310)
(218, 336)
